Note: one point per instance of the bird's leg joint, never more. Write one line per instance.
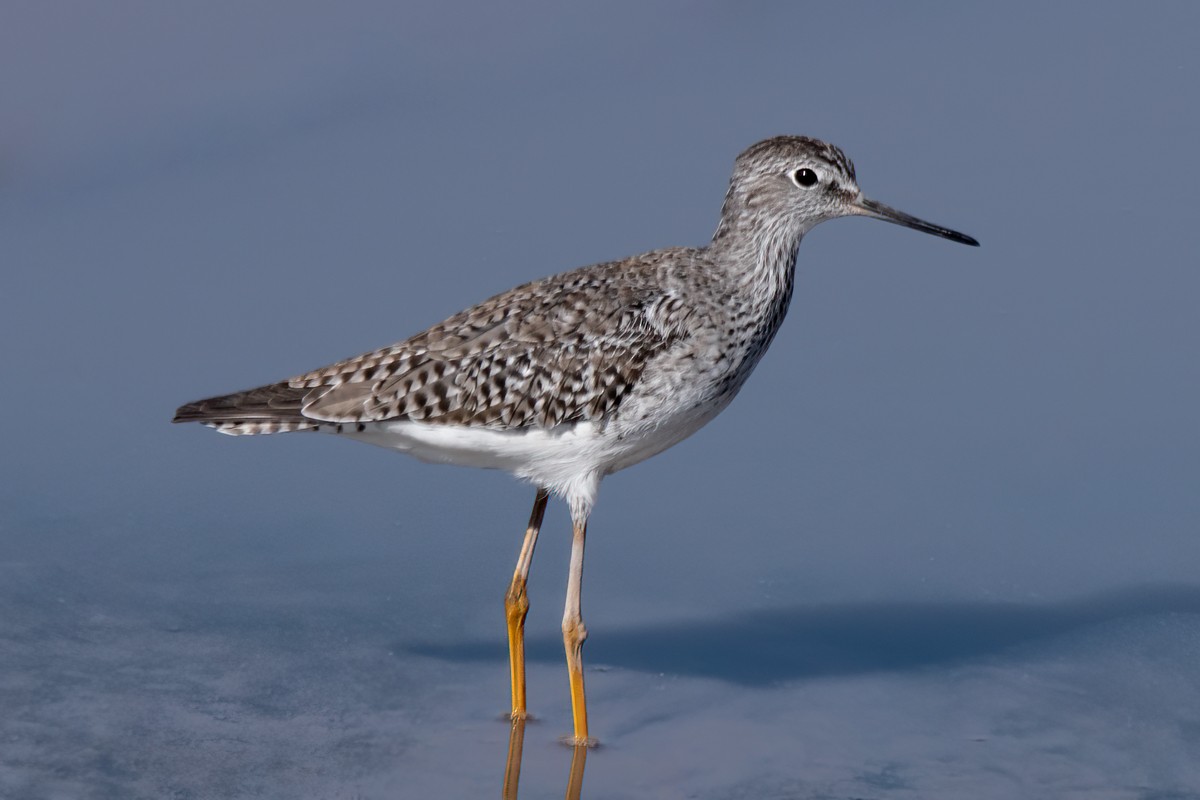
(516, 602)
(574, 632)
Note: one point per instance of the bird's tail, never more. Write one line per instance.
(266, 409)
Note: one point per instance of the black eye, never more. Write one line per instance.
(805, 177)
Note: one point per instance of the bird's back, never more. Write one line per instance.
(564, 349)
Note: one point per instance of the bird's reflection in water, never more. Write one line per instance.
(512, 765)
(575, 779)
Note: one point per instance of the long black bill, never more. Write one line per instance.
(870, 208)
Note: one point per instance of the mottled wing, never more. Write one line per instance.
(563, 349)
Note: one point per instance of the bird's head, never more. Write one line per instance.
(797, 182)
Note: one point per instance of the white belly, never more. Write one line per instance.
(566, 459)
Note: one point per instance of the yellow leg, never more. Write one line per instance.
(574, 634)
(516, 606)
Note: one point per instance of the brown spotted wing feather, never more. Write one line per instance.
(559, 350)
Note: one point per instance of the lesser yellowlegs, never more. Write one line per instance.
(568, 379)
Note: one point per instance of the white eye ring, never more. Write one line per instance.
(805, 178)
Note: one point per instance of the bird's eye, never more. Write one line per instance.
(805, 177)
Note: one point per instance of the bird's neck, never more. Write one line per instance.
(759, 256)
(759, 269)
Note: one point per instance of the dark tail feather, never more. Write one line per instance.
(267, 409)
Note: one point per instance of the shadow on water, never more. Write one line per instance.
(762, 647)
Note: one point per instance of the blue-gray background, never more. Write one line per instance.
(943, 545)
